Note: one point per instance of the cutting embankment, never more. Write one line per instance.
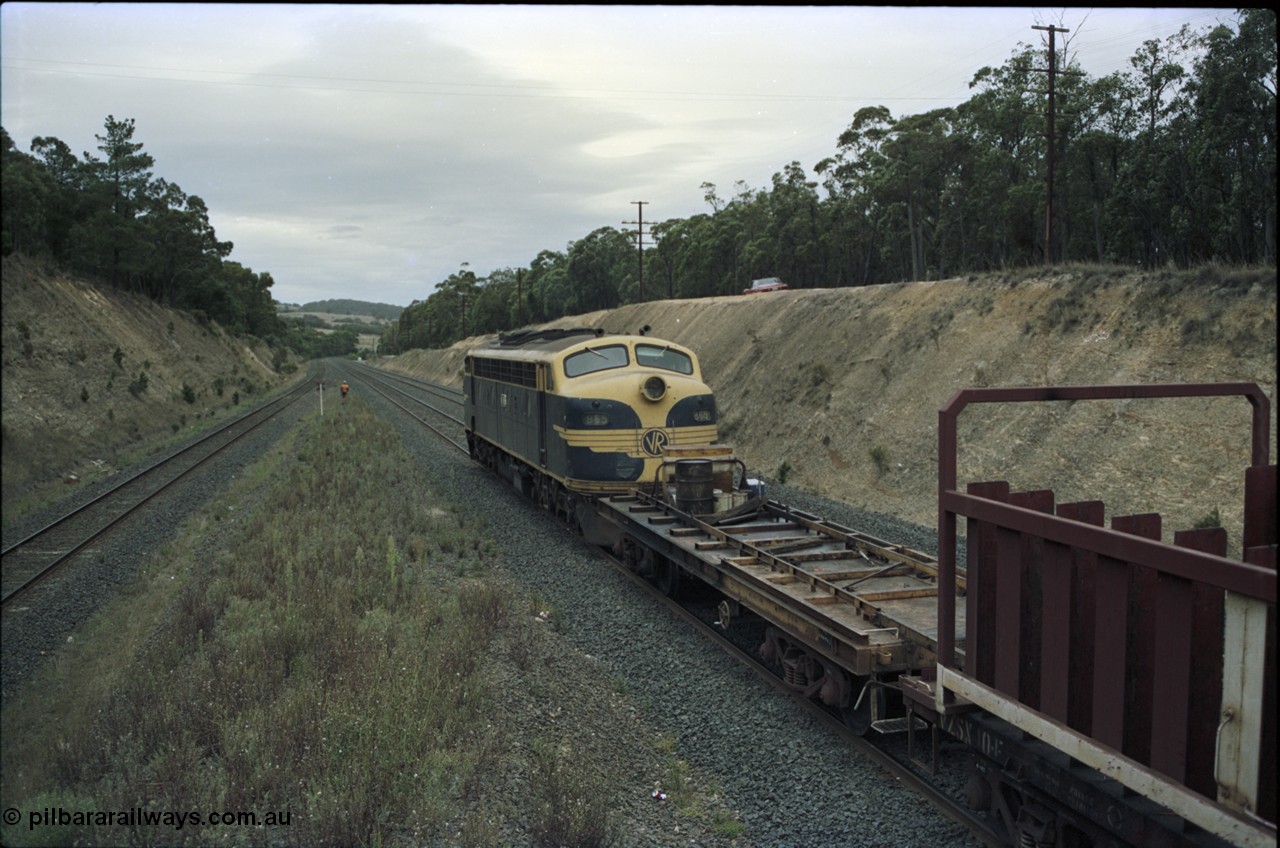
(837, 391)
(94, 377)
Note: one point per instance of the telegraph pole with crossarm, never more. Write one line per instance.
(1053, 73)
(640, 234)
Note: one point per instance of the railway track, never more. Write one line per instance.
(449, 396)
(443, 402)
(30, 561)
(886, 752)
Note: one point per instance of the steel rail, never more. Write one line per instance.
(383, 391)
(221, 428)
(446, 393)
(267, 411)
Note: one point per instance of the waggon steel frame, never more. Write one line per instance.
(1129, 581)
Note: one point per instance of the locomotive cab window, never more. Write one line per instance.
(653, 356)
(595, 359)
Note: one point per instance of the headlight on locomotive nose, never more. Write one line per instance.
(654, 388)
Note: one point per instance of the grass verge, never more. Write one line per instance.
(332, 649)
(322, 669)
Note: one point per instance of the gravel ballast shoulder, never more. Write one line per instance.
(792, 782)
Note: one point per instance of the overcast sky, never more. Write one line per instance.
(370, 151)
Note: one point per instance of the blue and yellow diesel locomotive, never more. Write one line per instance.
(572, 412)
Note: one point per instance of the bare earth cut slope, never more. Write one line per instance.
(92, 374)
(837, 390)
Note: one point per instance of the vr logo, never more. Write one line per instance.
(654, 441)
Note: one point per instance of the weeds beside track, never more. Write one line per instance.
(330, 661)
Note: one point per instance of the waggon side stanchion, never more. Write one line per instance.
(1151, 664)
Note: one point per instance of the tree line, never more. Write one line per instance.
(1170, 162)
(109, 218)
(347, 306)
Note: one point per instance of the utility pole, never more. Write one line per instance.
(1048, 207)
(462, 272)
(640, 234)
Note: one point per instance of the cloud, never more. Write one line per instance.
(371, 150)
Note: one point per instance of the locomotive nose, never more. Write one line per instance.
(654, 388)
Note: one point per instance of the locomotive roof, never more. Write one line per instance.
(545, 344)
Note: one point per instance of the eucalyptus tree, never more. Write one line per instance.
(745, 244)
(1232, 158)
(683, 255)
(419, 326)
(248, 306)
(664, 258)
(64, 200)
(495, 307)
(549, 294)
(791, 245)
(24, 190)
(919, 157)
(600, 266)
(1104, 122)
(450, 306)
(1004, 126)
(182, 244)
(854, 207)
(725, 238)
(1147, 213)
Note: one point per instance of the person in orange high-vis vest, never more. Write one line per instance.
(345, 389)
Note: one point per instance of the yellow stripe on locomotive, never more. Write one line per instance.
(650, 442)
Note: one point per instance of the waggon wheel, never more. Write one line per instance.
(667, 577)
(569, 512)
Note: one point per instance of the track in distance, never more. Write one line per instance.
(29, 561)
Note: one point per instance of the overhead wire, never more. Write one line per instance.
(438, 87)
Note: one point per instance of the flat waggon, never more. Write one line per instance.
(1112, 689)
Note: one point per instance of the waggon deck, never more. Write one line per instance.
(868, 605)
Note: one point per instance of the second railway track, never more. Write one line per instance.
(34, 558)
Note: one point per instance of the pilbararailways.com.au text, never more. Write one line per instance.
(140, 817)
